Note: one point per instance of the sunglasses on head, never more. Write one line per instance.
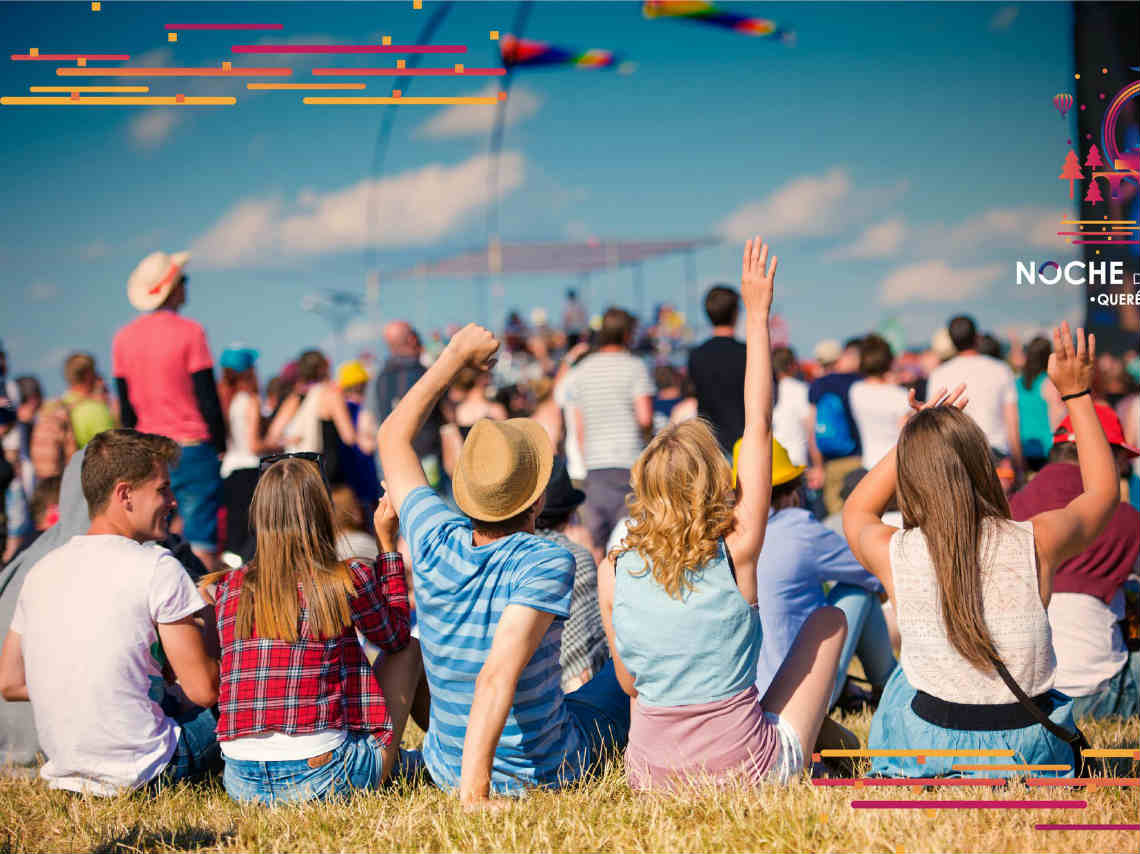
(312, 456)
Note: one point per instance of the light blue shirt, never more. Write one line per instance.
(799, 555)
(461, 590)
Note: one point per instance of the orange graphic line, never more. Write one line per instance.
(289, 86)
(931, 752)
(1011, 767)
(173, 72)
(1127, 753)
(63, 57)
(1093, 781)
(1101, 222)
(382, 100)
(127, 101)
(88, 88)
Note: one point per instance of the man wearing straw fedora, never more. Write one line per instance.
(491, 598)
(164, 376)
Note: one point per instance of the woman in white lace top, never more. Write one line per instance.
(971, 586)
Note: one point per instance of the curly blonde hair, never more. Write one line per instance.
(681, 506)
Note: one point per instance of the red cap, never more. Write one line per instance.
(1108, 421)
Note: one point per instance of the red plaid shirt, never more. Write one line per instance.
(272, 685)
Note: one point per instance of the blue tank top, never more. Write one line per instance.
(1033, 418)
(700, 648)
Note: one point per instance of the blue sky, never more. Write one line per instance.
(900, 158)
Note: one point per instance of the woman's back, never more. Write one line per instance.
(1033, 419)
(303, 432)
(697, 649)
(239, 455)
(1014, 616)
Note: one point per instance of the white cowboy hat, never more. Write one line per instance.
(154, 278)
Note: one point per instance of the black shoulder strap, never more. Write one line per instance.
(1033, 709)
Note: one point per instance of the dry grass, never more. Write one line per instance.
(602, 815)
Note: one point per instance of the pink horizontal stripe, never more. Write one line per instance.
(225, 26)
(347, 48)
(409, 72)
(970, 805)
(57, 57)
(1105, 242)
(909, 781)
(1095, 233)
(1086, 827)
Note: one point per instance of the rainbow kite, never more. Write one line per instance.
(707, 13)
(527, 52)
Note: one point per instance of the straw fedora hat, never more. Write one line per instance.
(154, 278)
(503, 469)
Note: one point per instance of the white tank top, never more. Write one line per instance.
(304, 430)
(1013, 612)
(238, 454)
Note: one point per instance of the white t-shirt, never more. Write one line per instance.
(790, 418)
(86, 618)
(575, 463)
(604, 386)
(879, 410)
(238, 454)
(1088, 642)
(989, 387)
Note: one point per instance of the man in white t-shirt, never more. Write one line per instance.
(791, 415)
(98, 622)
(613, 396)
(989, 386)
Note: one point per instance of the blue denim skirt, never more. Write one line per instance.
(896, 727)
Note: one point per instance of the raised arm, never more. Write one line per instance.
(1061, 534)
(472, 345)
(754, 464)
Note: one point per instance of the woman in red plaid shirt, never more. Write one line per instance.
(302, 715)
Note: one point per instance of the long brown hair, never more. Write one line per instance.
(682, 504)
(292, 517)
(948, 488)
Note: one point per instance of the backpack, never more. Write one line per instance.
(833, 435)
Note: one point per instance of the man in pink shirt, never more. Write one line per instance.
(164, 376)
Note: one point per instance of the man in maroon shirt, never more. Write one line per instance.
(1094, 666)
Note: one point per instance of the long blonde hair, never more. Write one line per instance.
(292, 517)
(948, 488)
(681, 506)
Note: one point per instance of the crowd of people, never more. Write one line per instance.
(562, 544)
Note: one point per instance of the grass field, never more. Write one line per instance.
(602, 815)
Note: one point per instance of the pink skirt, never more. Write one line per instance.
(720, 742)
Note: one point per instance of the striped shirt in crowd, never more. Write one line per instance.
(604, 386)
(461, 591)
(584, 648)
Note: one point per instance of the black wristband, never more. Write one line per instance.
(1075, 394)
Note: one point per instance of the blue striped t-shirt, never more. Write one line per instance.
(461, 591)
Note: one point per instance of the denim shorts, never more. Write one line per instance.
(1119, 697)
(197, 483)
(897, 727)
(197, 754)
(357, 764)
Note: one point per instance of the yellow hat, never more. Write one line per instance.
(782, 468)
(350, 374)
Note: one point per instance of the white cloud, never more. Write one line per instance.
(414, 208)
(1029, 227)
(152, 128)
(809, 205)
(42, 291)
(1003, 18)
(936, 281)
(477, 120)
(364, 331)
(883, 240)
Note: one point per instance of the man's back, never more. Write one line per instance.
(989, 386)
(398, 375)
(604, 386)
(86, 616)
(461, 591)
(717, 371)
(156, 354)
